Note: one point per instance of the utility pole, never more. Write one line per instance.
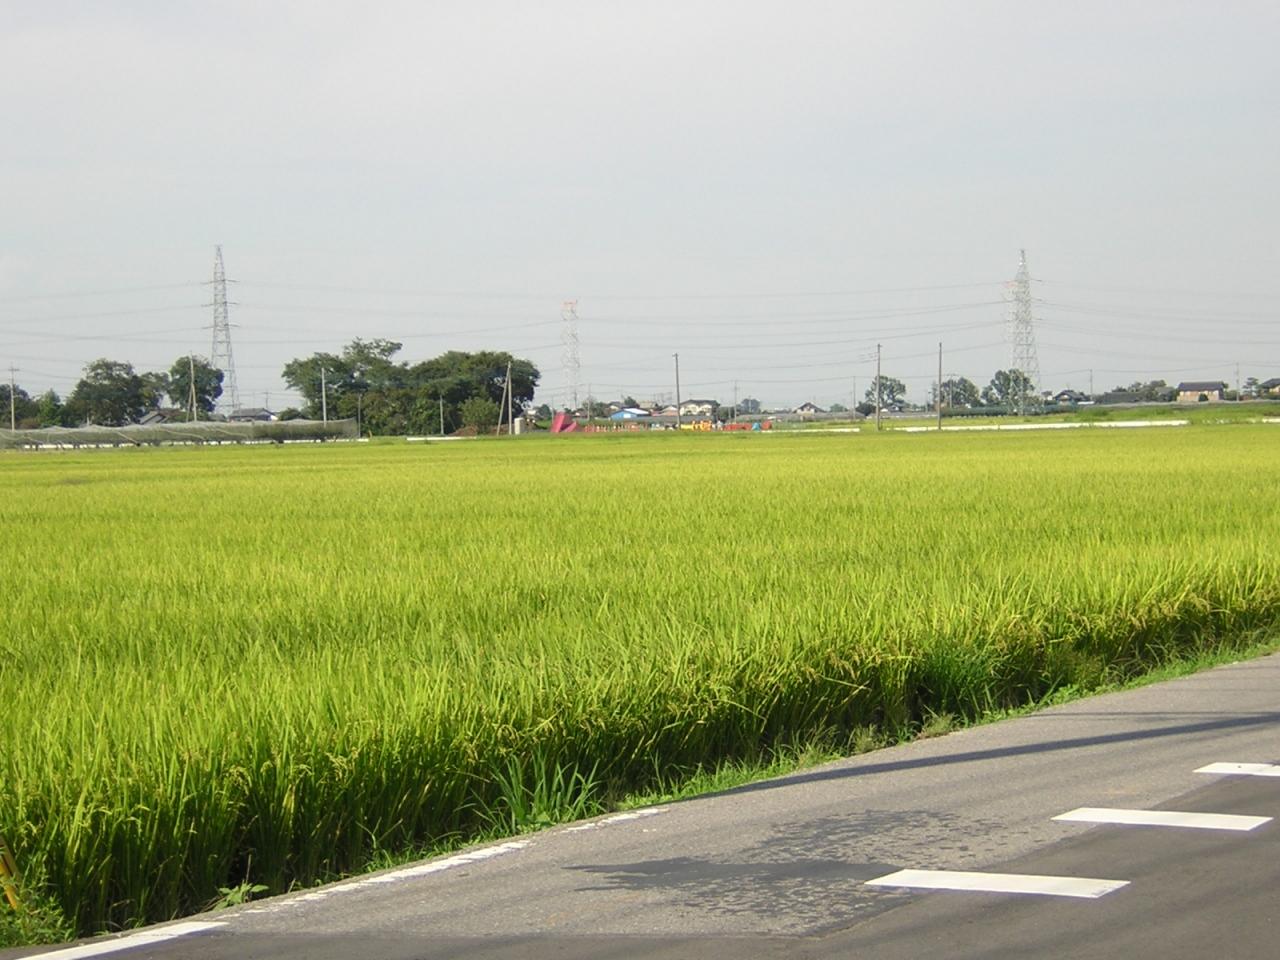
(324, 398)
(1091, 383)
(879, 391)
(220, 358)
(191, 393)
(939, 386)
(13, 391)
(442, 414)
(511, 424)
(13, 398)
(677, 358)
(502, 405)
(735, 399)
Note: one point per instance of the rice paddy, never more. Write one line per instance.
(265, 665)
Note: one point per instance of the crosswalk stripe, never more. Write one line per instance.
(1163, 818)
(1243, 769)
(1089, 888)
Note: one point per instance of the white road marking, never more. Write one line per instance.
(1059, 425)
(1163, 818)
(394, 876)
(617, 818)
(1243, 769)
(143, 938)
(1088, 888)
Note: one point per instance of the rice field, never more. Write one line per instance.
(264, 665)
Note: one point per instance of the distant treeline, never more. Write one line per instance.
(363, 383)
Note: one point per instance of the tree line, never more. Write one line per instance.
(456, 389)
(112, 393)
(363, 382)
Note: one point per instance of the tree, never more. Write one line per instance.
(890, 392)
(838, 408)
(24, 408)
(304, 375)
(364, 381)
(1008, 388)
(49, 410)
(155, 385)
(958, 392)
(208, 381)
(749, 405)
(110, 394)
(1152, 391)
(1251, 388)
(595, 409)
(480, 413)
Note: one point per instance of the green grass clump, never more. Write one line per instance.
(234, 668)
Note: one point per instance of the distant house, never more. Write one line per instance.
(250, 415)
(1070, 396)
(154, 417)
(808, 408)
(629, 413)
(1269, 388)
(1193, 391)
(698, 408)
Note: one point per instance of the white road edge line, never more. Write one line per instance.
(617, 818)
(1087, 888)
(143, 938)
(1163, 818)
(394, 876)
(1243, 769)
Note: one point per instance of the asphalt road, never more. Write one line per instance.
(781, 868)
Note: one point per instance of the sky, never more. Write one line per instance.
(769, 190)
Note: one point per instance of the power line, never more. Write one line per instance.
(638, 297)
(33, 297)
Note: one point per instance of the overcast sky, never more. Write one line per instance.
(769, 189)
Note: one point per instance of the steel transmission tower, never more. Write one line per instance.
(569, 338)
(220, 357)
(1022, 337)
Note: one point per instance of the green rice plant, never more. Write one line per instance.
(536, 792)
(231, 667)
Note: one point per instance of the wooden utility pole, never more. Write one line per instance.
(502, 406)
(511, 423)
(13, 392)
(191, 392)
(677, 358)
(879, 388)
(939, 386)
